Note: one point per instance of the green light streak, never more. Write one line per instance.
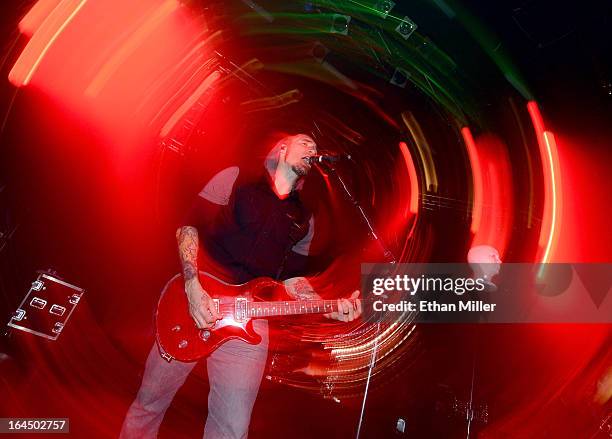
(372, 39)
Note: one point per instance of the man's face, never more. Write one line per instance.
(485, 258)
(299, 148)
(494, 263)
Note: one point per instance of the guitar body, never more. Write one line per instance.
(177, 334)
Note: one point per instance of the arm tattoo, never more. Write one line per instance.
(188, 251)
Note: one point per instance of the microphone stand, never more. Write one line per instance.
(389, 257)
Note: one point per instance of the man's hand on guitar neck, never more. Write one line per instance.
(201, 306)
(348, 309)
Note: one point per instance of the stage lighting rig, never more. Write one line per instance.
(400, 77)
(384, 7)
(340, 24)
(406, 27)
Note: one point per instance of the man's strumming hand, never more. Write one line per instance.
(201, 306)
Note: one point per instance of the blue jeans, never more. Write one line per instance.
(235, 370)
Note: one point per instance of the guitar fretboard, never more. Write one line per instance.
(292, 307)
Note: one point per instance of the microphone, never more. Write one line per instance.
(328, 158)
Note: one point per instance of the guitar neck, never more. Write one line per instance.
(292, 307)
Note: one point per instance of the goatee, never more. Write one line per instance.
(300, 171)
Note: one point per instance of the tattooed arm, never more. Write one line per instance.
(201, 306)
(187, 238)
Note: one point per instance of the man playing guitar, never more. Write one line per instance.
(262, 229)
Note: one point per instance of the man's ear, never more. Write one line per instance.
(283, 149)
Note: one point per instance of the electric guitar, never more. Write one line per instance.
(180, 339)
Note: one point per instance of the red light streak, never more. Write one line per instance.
(180, 112)
(476, 177)
(537, 120)
(132, 44)
(552, 185)
(412, 175)
(555, 198)
(42, 40)
(36, 16)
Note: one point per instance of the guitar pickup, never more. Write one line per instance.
(39, 303)
(57, 310)
(240, 313)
